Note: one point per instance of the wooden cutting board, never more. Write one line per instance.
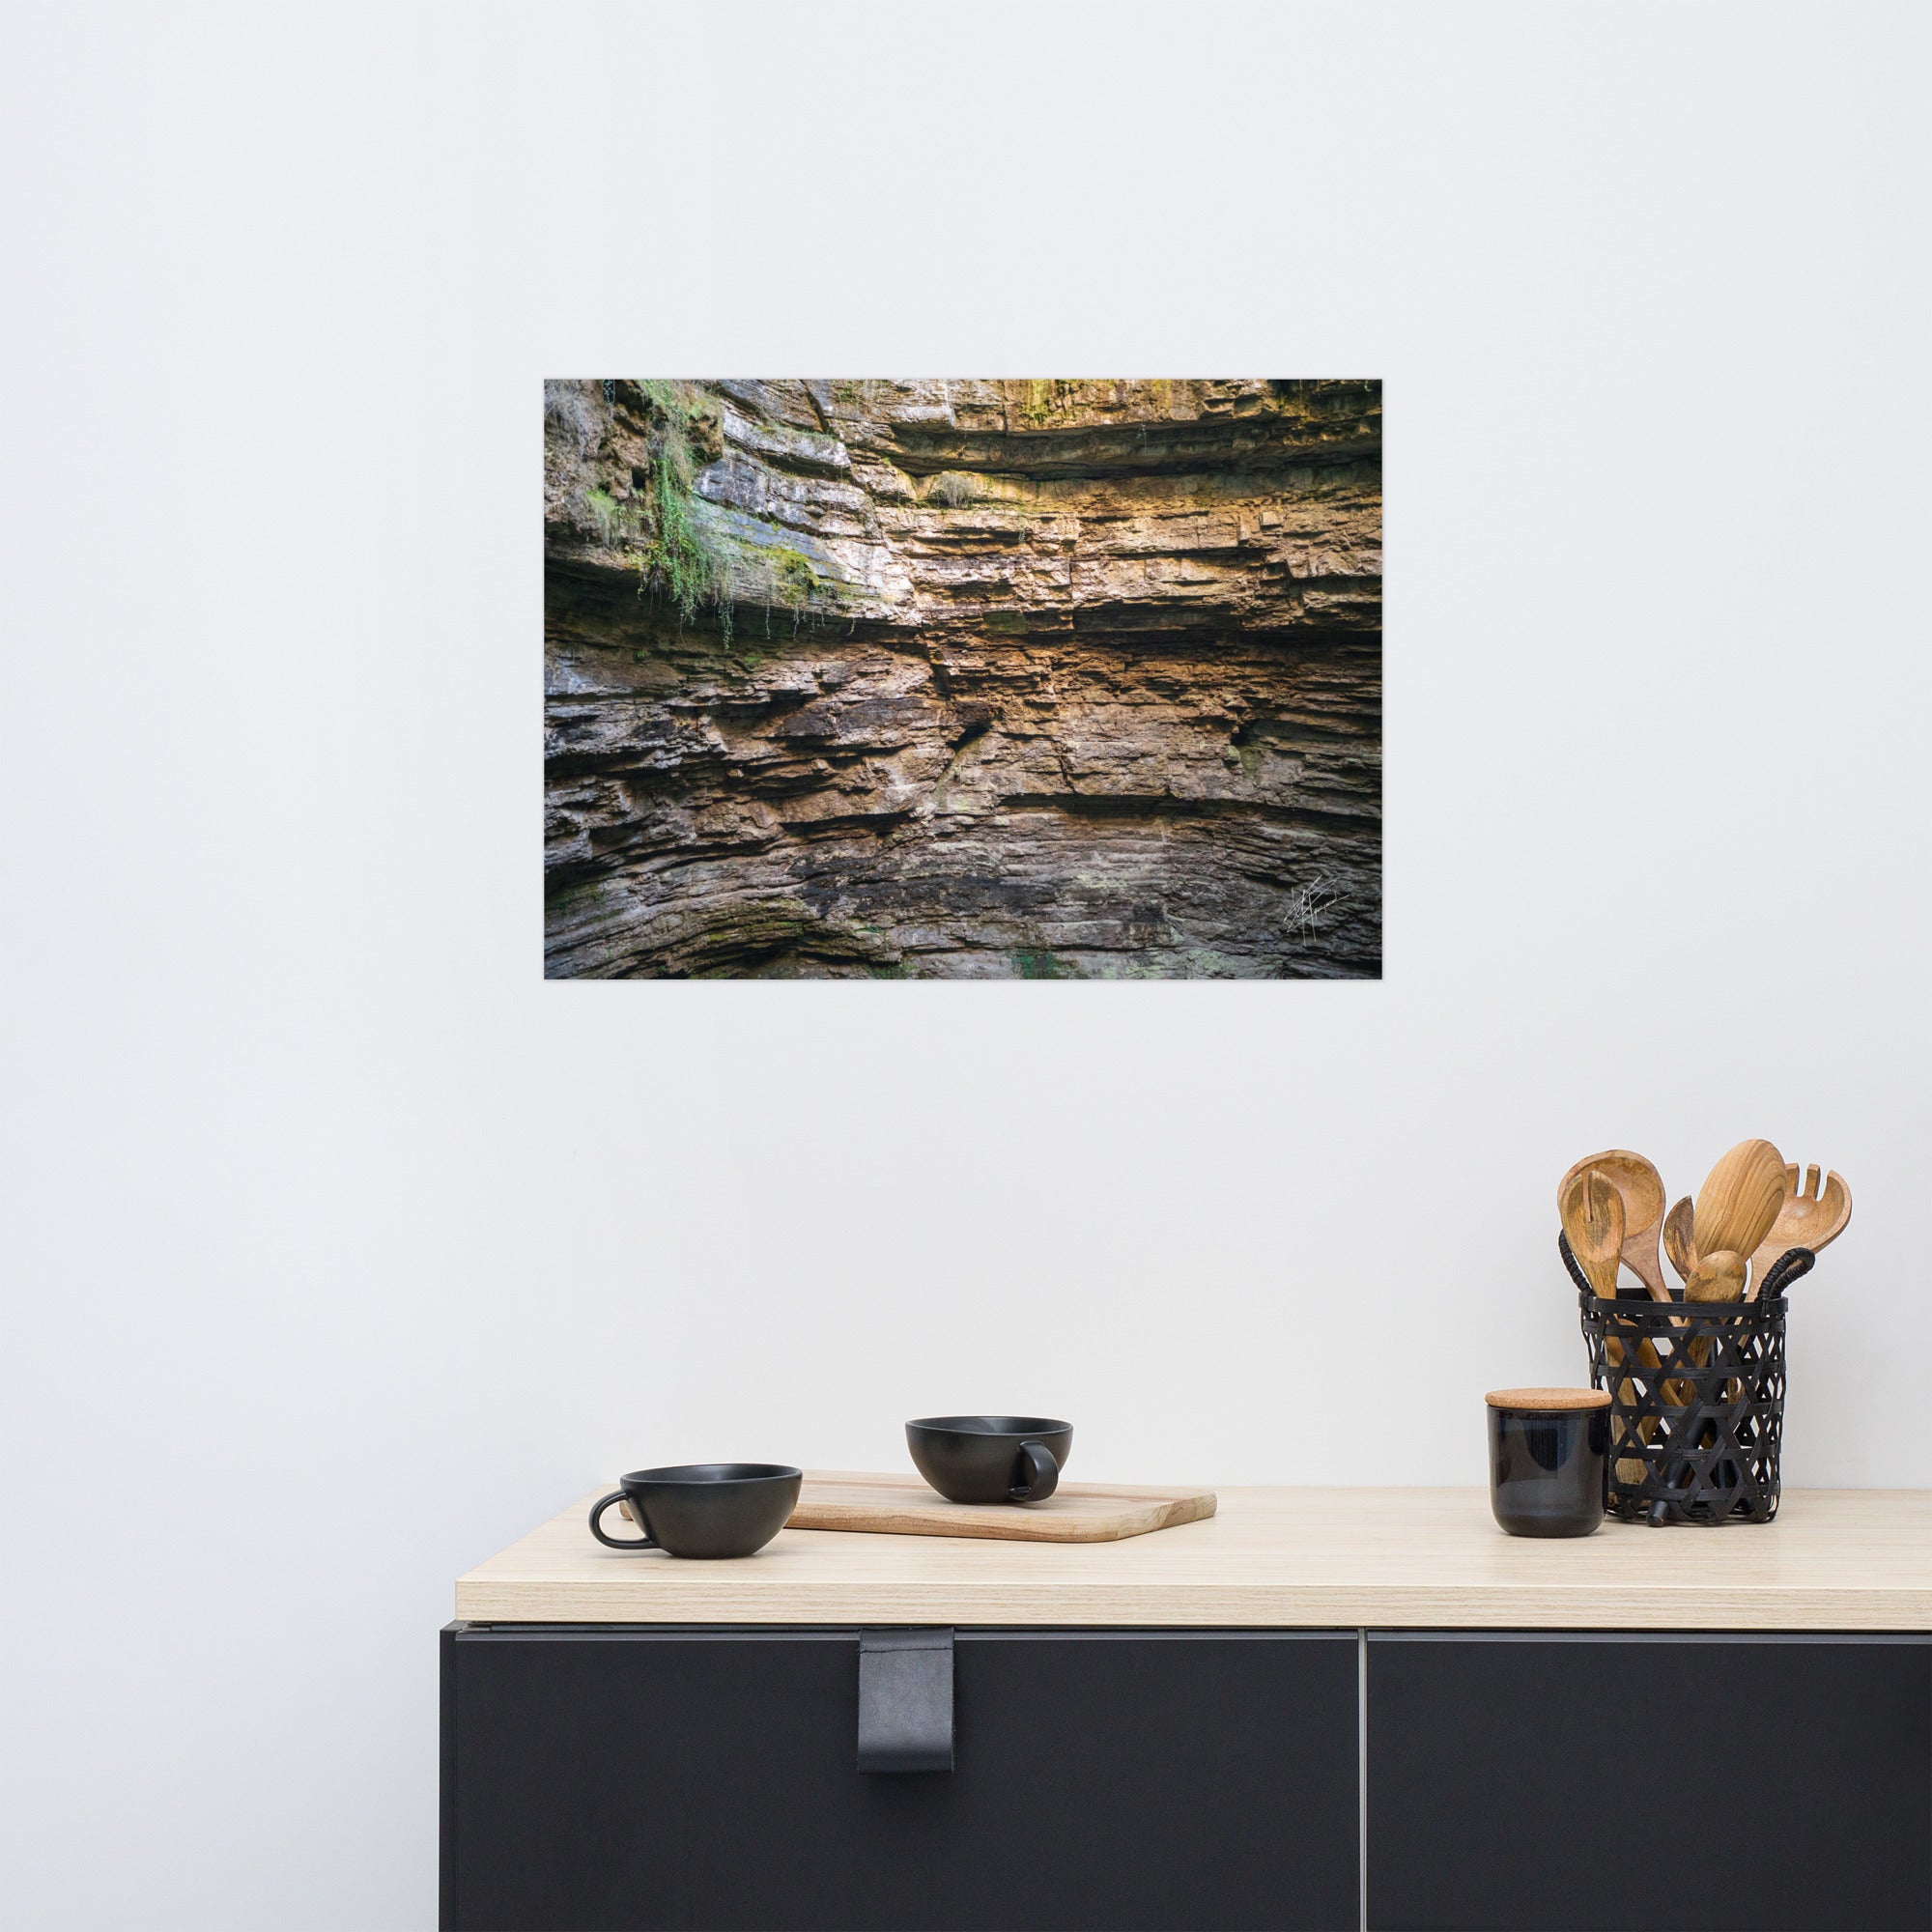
(1075, 1513)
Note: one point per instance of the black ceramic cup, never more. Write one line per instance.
(703, 1509)
(990, 1458)
(1548, 1459)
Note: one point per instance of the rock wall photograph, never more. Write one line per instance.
(953, 679)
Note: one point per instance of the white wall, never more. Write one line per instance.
(339, 1248)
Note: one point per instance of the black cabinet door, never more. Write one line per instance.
(1616, 1783)
(605, 1779)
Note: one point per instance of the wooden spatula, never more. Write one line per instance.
(1738, 1199)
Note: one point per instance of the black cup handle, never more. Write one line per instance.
(1041, 1477)
(597, 1510)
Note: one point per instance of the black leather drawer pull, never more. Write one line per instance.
(905, 1700)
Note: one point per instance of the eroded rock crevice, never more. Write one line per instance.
(976, 680)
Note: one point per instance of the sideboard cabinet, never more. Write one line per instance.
(971, 1736)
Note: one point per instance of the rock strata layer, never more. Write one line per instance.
(983, 679)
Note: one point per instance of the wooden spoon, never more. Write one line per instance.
(1680, 1241)
(1680, 1244)
(1738, 1199)
(1641, 1188)
(1717, 1277)
(1807, 1217)
(1593, 1218)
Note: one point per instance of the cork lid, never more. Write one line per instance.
(1548, 1400)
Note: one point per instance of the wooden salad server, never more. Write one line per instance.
(1641, 1188)
(1808, 1217)
(1592, 1211)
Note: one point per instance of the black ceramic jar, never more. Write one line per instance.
(1549, 1457)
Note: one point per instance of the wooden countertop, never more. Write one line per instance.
(1834, 1559)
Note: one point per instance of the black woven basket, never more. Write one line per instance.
(1696, 1399)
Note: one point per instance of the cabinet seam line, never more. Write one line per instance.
(1362, 1775)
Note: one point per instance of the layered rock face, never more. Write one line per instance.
(963, 680)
